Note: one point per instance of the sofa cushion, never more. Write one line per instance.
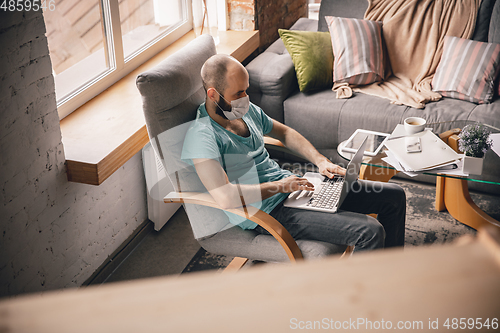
(272, 74)
(446, 109)
(357, 50)
(325, 120)
(467, 70)
(316, 116)
(494, 32)
(340, 8)
(312, 56)
(487, 114)
(357, 9)
(370, 113)
(483, 20)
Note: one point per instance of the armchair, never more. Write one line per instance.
(171, 93)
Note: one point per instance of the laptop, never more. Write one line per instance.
(328, 194)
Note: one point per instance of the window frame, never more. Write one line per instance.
(118, 67)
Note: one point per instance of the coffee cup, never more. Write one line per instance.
(414, 125)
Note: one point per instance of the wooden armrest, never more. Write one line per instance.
(453, 142)
(256, 215)
(278, 145)
(268, 141)
(451, 138)
(445, 135)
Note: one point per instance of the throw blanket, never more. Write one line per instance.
(414, 31)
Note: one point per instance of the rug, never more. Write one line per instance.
(424, 225)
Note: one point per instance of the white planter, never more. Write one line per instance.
(472, 165)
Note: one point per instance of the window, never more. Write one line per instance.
(94, 43)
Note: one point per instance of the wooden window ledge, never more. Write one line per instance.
(104, 133)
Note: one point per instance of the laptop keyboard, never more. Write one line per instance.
(329, 194)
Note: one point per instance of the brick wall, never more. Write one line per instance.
(265, 16)
(241, 14)
(53, 233)
(277, 14)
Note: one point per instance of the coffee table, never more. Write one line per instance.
(452, 192)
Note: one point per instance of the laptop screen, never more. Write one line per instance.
(352, 171)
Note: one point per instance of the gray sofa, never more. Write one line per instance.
(326, 121)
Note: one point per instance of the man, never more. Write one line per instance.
(225, 147)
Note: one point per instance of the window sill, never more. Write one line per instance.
(104, 133)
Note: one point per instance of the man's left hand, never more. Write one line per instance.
(327, 168)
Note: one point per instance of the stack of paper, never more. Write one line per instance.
(495, 137)
(435, 153)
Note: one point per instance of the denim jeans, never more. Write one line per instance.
(350, 225)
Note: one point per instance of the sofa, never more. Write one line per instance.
(326, 121)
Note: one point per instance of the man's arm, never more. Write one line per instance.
(293, 140)
(228, 195)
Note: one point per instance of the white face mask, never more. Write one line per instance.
(239, 107)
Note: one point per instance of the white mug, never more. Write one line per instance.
(414, 125)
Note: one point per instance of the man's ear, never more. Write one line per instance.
(212, 94)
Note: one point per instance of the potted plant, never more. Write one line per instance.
(474, 141)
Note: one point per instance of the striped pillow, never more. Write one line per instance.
(357, 50)
(467, 70)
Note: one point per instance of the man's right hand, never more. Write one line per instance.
(294, 183)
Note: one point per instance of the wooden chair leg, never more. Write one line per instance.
(236, 264)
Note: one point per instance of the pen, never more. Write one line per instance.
(398, 137)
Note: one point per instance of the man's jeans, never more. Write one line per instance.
(350, 225)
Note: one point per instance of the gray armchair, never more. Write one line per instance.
(171, 93)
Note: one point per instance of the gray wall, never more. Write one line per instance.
(53, 233)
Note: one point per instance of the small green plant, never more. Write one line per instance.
(474, 140)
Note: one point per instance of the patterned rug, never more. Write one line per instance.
(424, 225)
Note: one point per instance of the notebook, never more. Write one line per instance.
(328, 194)
(434, 151)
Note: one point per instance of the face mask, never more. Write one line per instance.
(239, 107)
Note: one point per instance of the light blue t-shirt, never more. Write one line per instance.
(245, 159)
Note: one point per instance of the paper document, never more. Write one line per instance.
(393, 161)
(454, 168)
(496, 143)
(455, 171)
(435, 152)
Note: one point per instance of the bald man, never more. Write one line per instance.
(226, 146)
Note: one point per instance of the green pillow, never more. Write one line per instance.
(312, 56)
